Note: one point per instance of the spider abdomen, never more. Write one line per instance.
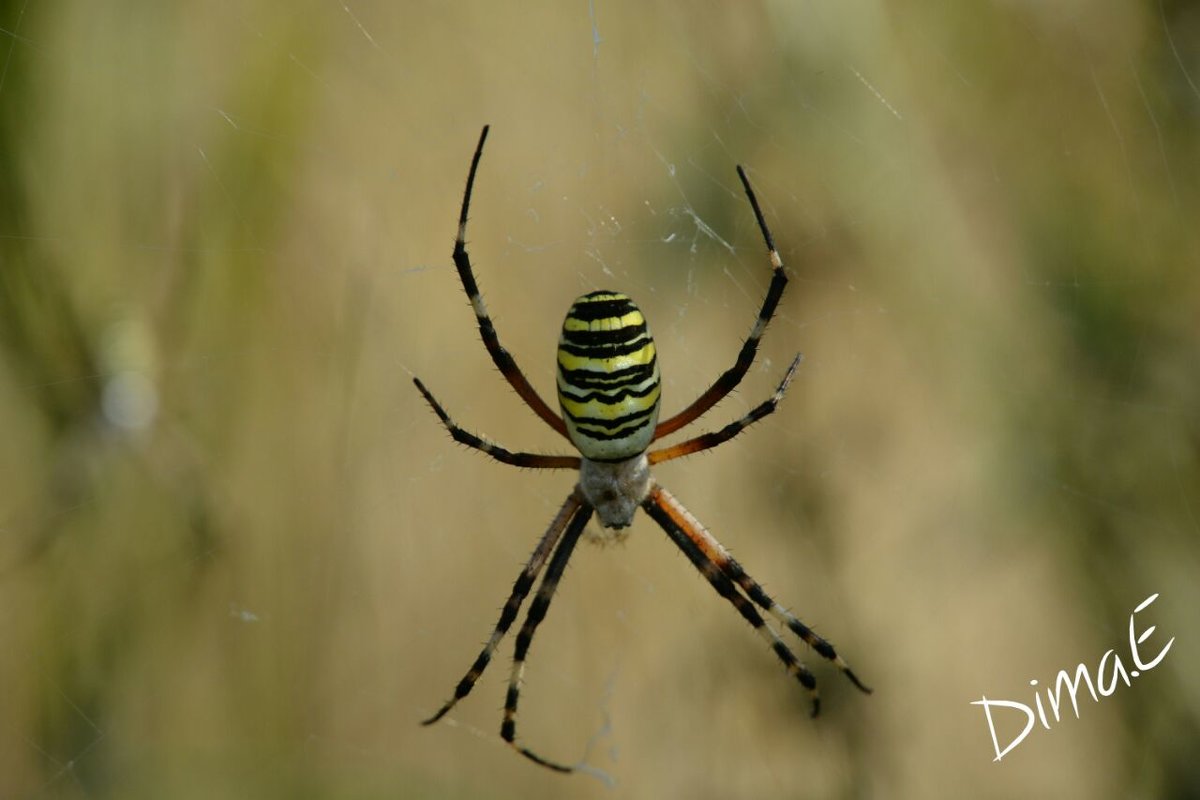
(608, 384)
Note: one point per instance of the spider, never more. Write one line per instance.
(608, 391)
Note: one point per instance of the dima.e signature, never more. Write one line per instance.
(1109, 671)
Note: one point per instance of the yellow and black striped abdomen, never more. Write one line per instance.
(608, 385)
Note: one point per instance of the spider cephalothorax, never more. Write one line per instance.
(609, 392)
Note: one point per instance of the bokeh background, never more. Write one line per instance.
(240, 558)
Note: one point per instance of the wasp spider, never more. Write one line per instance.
(608, 390)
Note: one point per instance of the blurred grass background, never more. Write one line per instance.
(239, 558)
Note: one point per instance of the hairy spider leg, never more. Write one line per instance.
(537, 612)
(487, 331)
(511, 606)
(676, 529)
(476, 442)
(730, 378)
(714, 552)
(710, 439)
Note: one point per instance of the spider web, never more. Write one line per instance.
(239, 556)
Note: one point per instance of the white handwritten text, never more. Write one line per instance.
(1109, 672)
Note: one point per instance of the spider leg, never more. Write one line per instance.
(713, 551)
(731, 377)
(664, 510)
(711, 439)
(513, 604)
(487, 331)
(537, 612)
(533, 460)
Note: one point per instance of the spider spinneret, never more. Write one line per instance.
(609, 392)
